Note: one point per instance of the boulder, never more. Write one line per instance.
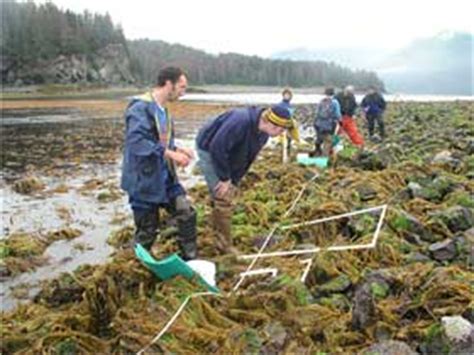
(456, 218)
(444, 250)
(389, 347)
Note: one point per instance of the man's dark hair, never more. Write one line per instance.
(169, 73)
(329, 91)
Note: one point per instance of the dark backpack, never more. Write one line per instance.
(326, 115)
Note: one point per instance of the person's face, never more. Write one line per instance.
(177, 90)
(287, 96)
(272, 130)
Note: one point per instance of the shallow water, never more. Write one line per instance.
(34, 139)
(268, 98)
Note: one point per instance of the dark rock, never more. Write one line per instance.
(443, 251)
(470, 147)
(375, 139)
(376, 284)
(413, 239)
(456, 218)
(4, 271)
(432, 190)
(259, 240)
(390, 154)
(366, 192)
(370, 161)
(469, 314)
(408, 224)
(272, 175)
(390, 347)
(417, 257)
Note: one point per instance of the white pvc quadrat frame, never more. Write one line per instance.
(370, 245)
(274, 271)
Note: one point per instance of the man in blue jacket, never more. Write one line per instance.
(150, 156)
(227, 146)
(374, 105)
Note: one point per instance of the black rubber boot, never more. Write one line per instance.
(187, 235)
(146, 223)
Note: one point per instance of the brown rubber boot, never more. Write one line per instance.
(221, 219)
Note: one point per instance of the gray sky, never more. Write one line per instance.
(263, 27)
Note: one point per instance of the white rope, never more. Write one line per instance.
(273, 271)
(372, 244)
(270, 235)
(175, 316)
(326, 219)
(306, 251)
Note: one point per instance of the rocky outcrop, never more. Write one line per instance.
(110, 65)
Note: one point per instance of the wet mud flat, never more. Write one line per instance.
(60, 172)
(402, 296)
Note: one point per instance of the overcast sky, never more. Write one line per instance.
(262, 27)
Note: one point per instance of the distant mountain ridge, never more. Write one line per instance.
(41, 43)
(232, 68)
(437, 65)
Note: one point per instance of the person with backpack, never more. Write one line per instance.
(227, 145)
(373, 106)
(348, 104)
(326, 123)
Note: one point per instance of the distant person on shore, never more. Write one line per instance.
(287, 96)
(150, 156)
(227, 146)
(373, 106)
(348, 104)
(326, 123)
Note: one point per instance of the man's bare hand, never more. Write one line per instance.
(181, 159)
(222, 189)
(188, 151)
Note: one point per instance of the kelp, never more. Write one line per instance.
(349, 300)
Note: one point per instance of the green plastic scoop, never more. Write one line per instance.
(170, 267)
